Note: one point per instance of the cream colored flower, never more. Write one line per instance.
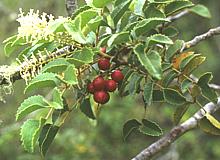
(34, 27)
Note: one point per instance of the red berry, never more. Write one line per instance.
(110, 85)
(103, 49)
(99, 83)
(90, 88)
(104, 64)
(101, 97)
(117, 76)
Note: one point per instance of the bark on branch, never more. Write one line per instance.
(176, 132)
(212, 32)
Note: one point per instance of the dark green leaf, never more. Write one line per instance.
(158, 96)
(119, 11)
(185, 85)
(173, 97)
(179, 112)
(151, 11)
(119, 38)
(130, 126)
(86, 108)
(46, 137)
(171, 31)
(148, 92)
(207, 92)
(134, 83)
(151, 61)
(146, 25)
(150, 128)
(158, 39)
(169, 77)
(173, 49)
(176, 6)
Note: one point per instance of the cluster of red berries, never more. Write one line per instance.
(100, 87)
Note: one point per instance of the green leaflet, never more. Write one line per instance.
(86, 108)
(74, 30)
(84, 17)
(57, 99)
(85, 55)
(187, 60)
(151, 12)
(168, 78)
(92, 25)
(119, 11)
(30, 132)
(134, 83)
(146, 25)
(148, 92)
(173, 97)
(80, 10)
(207, 92)
(137, 6)
(46, 137)
(171, 31)
(31, 104)
(119, 38)
(158, 39)
(151, 61)
(173, 49)
(101, 4)
(13, 43)
(70, 76)
(56, 66)
(150, 128)
(177, 6)
(130, 126)
(201, 10)
(179, 113)
(41, 81)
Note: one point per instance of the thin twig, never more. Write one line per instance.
(176, 132)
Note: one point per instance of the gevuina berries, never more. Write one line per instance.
(100, 87)
(104, 64)
(117, 76)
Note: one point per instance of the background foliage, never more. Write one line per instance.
(84, 141)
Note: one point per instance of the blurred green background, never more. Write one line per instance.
(79, 139)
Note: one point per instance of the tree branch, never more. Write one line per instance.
(212, 32)
(71, 5)
(176, 132)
